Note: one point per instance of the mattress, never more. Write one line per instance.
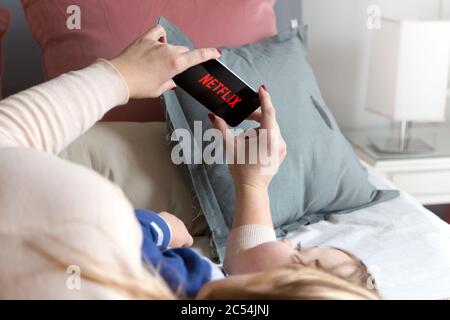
(405, 246)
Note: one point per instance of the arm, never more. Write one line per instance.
(252, 222)
(155, 230)
(180, 267)
(252, 181)
(164, 229)
(50, 116)
(252, 206)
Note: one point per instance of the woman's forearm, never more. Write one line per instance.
(252, 223)
(252, 207)
(51, 115)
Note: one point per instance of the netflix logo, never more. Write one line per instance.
(218, 88)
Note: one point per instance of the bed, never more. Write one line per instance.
(406, 247)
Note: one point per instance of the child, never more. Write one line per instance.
(164, 249)
(269, 270)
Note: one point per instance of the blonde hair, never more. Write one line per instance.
(360, 274)
(145, 283)
(294, 282)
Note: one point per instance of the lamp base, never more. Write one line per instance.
(399, 146)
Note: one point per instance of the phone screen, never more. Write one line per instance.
(220, 90)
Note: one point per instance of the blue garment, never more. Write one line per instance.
(181, 268)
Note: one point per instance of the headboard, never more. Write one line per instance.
(22, 56)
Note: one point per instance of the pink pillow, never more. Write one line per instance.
(107, 27)
(4, 23)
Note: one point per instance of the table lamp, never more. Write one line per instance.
(408, 79)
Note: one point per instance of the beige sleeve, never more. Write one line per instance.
(247, 237)
(65, 231)
(49, 116)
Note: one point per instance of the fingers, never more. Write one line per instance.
(196, 56)
(189, 242)
(268, 117)
(168, 85)
(157, 33)
(255, 116)
(181, 49)
(219, 124)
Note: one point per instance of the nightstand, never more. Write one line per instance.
(424, 176)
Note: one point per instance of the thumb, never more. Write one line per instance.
(220, 124)
(189, 241)
(167, 86)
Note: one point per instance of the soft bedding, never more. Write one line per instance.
(318, 153)
(405, 246)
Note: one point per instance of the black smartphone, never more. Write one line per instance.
(220, 90)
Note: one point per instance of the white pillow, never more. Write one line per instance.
(136, 157)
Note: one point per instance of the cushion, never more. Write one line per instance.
(4, 23)
(320, 176)
(136, 157)
(107, 27)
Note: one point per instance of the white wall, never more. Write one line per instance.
(339, 51)
(445, 14)
(446, 9)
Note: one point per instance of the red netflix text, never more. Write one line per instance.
(213, 84)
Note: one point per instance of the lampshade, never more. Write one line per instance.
(409, 69)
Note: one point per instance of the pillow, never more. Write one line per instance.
(320, 176)
(136, 157)
(107, 27)
(4, 23)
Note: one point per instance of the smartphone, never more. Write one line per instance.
(220, 90)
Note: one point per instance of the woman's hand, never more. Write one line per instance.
(180, 235)
(149, 64)
(268, 137)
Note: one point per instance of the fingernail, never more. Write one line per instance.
(264, 87)
(220, 51)
(211, 117)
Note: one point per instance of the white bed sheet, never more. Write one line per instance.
(405, 246)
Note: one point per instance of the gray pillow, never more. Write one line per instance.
(320, 176)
